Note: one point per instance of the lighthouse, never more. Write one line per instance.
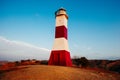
(60, 54)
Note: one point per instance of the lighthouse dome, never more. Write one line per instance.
(61, 11)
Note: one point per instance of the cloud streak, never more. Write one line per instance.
(17, 50)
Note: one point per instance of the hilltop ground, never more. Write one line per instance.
(44, 72)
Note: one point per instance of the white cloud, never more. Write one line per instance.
(17, 50)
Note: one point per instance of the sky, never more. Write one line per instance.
(27, 28)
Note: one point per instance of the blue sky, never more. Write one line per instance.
(93, 27)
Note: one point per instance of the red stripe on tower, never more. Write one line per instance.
(61, 31)
(60, 54)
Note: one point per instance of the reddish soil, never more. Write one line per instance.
(44, 72)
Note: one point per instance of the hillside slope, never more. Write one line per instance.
(111, 65)
(43, 72)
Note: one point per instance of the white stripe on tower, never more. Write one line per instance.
(60, 44)
(61, 20)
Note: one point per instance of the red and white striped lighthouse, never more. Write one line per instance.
(60, 54)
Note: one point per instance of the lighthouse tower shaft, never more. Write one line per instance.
(60, 54)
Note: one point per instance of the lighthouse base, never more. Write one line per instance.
(60, 57)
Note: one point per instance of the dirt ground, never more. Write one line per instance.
(44, 72)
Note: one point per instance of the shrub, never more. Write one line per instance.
(83, 62)
(17, 63)
(44, 62)
(76, 61)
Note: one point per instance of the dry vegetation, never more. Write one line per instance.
(44, 72)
